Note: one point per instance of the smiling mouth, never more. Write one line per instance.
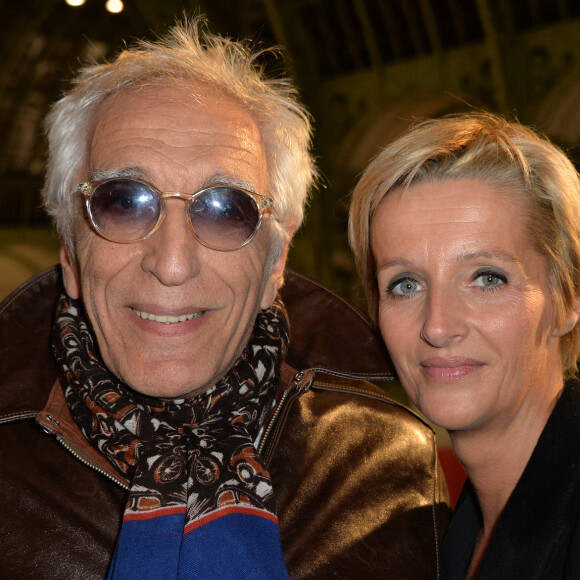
(168, 319)
(449, 370)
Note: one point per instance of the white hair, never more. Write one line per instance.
(189, 55)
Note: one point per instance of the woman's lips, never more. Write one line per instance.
(446, 370)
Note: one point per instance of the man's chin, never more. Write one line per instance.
(168, 386)
(170, 394)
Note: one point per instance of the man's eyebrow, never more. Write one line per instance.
(220, 179)
(126, 172)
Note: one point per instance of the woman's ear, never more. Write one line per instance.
(70, 273)
(570, 321)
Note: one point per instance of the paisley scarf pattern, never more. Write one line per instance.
(201, 503)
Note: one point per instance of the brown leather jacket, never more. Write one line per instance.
(358, 488)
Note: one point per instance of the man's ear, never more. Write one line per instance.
(70, 273)
(274, 280)
(570, 321)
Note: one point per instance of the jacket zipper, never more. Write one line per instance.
(79, 455)
(301, 383)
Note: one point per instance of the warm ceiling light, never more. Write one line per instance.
(75, 2)
(114, 6)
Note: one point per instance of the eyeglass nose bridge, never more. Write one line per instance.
(187, 198)
(262, 201)
(184, 196)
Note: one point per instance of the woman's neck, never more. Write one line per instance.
(494, 462)
(495, 456)
(494, 465)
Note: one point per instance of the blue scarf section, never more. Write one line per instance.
(201, 504)
(233, 546)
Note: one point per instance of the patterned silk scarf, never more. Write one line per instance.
(201, 504)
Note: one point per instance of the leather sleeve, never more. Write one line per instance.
(359, 489)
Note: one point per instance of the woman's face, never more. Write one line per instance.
(464, 304)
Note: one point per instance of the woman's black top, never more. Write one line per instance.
(538, 533)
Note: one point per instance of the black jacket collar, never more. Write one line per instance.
(534, 535)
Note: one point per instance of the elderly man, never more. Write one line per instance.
(154, 420)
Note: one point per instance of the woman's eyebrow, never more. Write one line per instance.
(392, 263)
(501, 255)
(464, 257)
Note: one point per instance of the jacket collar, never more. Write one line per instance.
(26, 366)
(330, 334)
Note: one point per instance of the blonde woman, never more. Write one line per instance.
(466, 233)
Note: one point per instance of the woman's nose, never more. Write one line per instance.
(172, 254)
(445, 321)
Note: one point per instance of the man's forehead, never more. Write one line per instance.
(212, 139)
(178, 97)
(183, 110)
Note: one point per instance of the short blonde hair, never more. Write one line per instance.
(490, 149)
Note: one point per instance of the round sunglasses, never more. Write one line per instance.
(221, 218)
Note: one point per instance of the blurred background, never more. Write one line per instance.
(365, 68)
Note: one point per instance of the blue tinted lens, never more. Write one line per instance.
(224, 217)
(124, 210)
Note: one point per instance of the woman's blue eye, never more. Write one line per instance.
(404, 286)
(489, 279)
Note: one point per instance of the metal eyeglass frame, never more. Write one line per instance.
(263, 202)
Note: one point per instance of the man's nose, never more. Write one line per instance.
(172, 254)
(445, 320)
